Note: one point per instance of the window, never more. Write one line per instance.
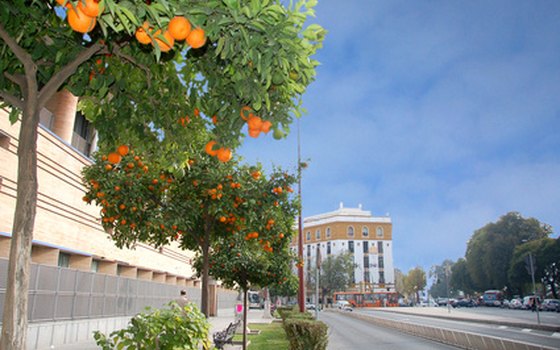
(328, 232)
(379, 231)
(366, 247)
(318, 234)
(366, 276)
(350, 231)
(4, 140)
(94, 266)
(119, 270)
(366, 261)
(83, 134)
(380, 247)
(308, 250)
(351, 246)
(328, 248)
(308, 236)
(365, 231)
(381, 277)
(380, 262)
(63, 259)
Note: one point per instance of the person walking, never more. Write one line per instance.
(182, 301)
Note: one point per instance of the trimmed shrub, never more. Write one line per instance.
(285, 311)
(306, 334)
(167, 328)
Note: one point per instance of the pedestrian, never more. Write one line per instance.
(182, 301)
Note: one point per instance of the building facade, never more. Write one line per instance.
(68, 232)
(368, 238)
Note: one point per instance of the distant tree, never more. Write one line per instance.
(336, 274)
(460, 280)
(441, 274)
(399, 282)
(415, 281)
(551, 280)
(546, 251)
(490, 249)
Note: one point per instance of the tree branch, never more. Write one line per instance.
(11, 99)
(16, 79)
(61, 76)
(20, 53)
(117, 51)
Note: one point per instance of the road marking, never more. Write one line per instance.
(556, 334)
(503, 327)
(526, 330)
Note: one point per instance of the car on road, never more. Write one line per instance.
(515, 303)
(344, 305)
(442, 301)
(463, 303)
(550, 305)
(309, 306)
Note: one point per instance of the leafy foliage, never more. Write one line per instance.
(490, 249)
(336, 274)
(415, 281)
(305, 334)
(441, 274)
(167, 328)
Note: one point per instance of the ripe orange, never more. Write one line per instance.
(266, 125)
(142, 34)
(123, 150)
(164, 41)
(209, 148)
(224, 154)
(108, 167)
(255, 122)
(79, 21)
(90, 7)
(114, 158)
(179, 28)
(196, 38)
(254, 133)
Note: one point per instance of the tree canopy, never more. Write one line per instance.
(490, 249)
(140, 86)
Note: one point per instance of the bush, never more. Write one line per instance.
(285, 311)
(306, 334)
(168, 328)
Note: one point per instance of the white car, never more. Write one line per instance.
(344, 305)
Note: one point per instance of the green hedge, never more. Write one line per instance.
(304, 333)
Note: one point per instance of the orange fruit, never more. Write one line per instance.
(108, 167)
(179, 28)
(254, 133)
(123, 150)
(224, 154)
(164, 41)
(90, 7)
(209, 148)
(196, 38)
(61, 3)
(142, 34)
(266, 125)
(255, 123)
(114, 158)
(79, 21)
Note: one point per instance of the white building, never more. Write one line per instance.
(368, 237)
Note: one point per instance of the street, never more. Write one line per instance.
(349, 333)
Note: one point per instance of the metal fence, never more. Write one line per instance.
(59, 294)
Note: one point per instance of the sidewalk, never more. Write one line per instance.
(217, 323)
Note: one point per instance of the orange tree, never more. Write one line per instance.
(141, 74)
(204, 207)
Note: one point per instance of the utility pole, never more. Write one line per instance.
(532, 269)
(301, 290)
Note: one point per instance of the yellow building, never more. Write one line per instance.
(367, 237)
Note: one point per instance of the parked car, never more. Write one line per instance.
(515, 303)
(442, 301)
(463, 303)
(550, 305)
(309, 306)
(529, 300)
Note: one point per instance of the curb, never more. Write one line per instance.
(541, 327)
(464, 340)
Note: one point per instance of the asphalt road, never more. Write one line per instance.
(349, 333)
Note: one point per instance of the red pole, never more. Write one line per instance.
(301, 290)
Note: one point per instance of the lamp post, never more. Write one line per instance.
(532, 269)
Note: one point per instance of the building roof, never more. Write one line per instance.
(345, 215)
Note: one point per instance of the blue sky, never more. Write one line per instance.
(444, 114)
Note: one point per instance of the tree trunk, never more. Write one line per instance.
(245, 319)
(204, 307)
(14, 323)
